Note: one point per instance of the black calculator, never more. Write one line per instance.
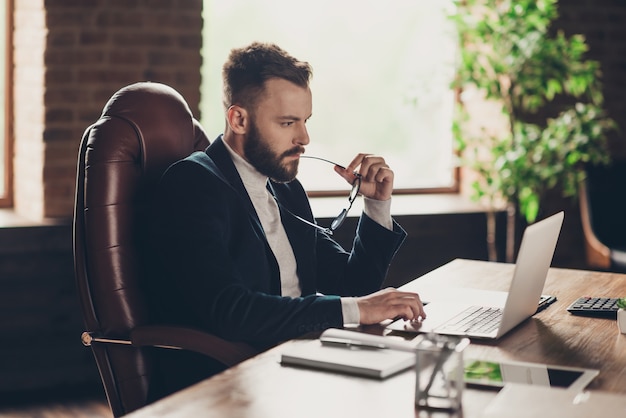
(594, 306)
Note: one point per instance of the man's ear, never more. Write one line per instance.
(237, 118)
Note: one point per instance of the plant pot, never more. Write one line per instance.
(621, 320)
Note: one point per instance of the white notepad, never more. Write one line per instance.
(364, 361)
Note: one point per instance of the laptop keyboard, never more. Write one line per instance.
(475, 319)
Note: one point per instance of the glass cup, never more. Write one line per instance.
(439, 372)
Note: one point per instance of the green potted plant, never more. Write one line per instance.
(621, 315)
(510, 56)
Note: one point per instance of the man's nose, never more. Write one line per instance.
(303, 136)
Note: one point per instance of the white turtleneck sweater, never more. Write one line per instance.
(269, 215)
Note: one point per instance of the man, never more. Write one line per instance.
(238, 261)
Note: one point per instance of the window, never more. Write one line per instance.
(5, 154)
(381, 79)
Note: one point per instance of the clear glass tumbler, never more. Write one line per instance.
(439, 372)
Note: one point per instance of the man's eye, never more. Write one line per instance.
(287, 123)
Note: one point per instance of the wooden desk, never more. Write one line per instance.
(262, 388)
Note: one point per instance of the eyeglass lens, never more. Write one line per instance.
(338, 221)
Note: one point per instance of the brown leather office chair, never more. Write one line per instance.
(143, 128)
(603, 216)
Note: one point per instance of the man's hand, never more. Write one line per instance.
(376, 176)
(390, 303)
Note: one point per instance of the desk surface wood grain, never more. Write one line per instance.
(261, 387)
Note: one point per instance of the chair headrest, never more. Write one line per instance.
(162, 121)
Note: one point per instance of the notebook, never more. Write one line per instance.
(510, 308)
(353, 353)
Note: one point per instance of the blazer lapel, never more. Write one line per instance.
(225, 169)
(218, 153)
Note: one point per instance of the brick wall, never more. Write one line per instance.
(70, 57)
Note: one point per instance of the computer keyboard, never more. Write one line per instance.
(594, 306)
(474, 319)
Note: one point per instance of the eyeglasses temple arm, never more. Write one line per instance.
(314, 225)
(300, 218)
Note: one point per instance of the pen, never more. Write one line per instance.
(341, 342)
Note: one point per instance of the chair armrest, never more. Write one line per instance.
(227, 352)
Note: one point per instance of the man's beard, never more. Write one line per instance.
(261, 156)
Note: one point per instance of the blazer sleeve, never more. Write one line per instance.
(363, 269)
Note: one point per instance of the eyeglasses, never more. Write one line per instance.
(339, 220)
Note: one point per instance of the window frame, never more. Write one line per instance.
(453, 189)
(6, 200)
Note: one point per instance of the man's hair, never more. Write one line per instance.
(247, 69)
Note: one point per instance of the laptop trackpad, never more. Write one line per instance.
(436, 314)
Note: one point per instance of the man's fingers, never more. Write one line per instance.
(347, 174)
(390, 303)
(413, 306)
(408, 303)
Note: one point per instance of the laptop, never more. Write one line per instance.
(452, 314)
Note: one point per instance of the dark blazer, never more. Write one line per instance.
(220, 273)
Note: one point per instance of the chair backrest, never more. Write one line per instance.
(143, 128)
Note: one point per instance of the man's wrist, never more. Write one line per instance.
(379, 211)
(350, 311)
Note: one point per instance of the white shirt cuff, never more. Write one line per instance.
(350, 311)
(379, 211)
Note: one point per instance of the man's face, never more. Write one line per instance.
(277, 132)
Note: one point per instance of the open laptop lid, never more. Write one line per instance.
(531, 269)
